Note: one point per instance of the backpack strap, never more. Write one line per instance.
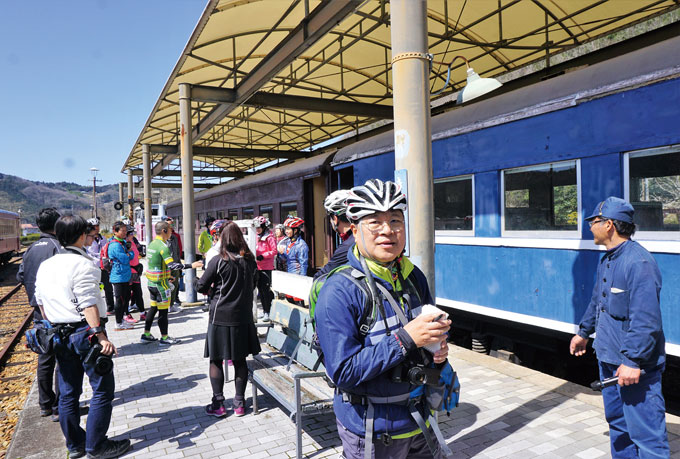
(367, 318)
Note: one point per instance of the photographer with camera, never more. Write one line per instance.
(67, 291)
(373, 344)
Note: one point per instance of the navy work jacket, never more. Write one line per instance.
(624, 310)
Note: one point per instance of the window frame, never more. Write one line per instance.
(648, 235)
(544, 234)
(456, 178)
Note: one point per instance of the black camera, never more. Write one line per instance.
(415, 373)
(103, 364)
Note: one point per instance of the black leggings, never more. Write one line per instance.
(121, 293)
(162, 320)
(264, 284)
(136, 295)
(240, 377)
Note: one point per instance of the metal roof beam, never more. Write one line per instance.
(308, 104)
(313, 27)
(159, 185)
(229, 152)
(324, 17)
(202, 173)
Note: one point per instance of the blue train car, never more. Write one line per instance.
(516, 174)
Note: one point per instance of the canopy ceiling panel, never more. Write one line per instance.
(350, 60)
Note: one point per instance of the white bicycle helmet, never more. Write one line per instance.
(335, 203)
(374, 196)
(94, 221)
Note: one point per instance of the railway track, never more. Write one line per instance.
(17, 363)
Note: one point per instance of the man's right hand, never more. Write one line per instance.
(424, 331)
(577, 346)
(107, 346)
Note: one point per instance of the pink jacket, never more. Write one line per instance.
(266, 246)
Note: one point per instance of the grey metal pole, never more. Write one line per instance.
(131, 196)
(146, 164)
(121, 186)
(412, 131)
(187, 162)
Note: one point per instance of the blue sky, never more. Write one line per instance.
(79, 78)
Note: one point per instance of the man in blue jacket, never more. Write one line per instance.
(336, 205)
(42, 249)
(366, 361)
(120, 254)
(625, 314)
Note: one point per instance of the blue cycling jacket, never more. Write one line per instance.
(361, 364)
(624, 310)
(120, 258)
(296, 256)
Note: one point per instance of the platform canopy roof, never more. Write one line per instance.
(293, 74)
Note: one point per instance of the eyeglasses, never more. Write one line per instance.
(593, 222)
(91, 236)
(376, 226)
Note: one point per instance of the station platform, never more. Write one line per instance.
(506, 411)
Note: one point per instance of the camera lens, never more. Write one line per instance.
(104, 365)
(416, 375)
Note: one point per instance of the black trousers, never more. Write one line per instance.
(264, 289)
(108, 291)
(137, 296)
(121, 292)
(48, 398)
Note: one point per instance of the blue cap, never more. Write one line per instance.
(614, 209)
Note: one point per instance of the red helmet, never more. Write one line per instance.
(293, 222)
(261, 220)
(216, 227)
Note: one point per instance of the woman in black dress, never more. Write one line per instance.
(231, 331)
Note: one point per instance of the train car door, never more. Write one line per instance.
(314, 194)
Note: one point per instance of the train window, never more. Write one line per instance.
(267, 210)
(178, 223)
(288, 209)
(248, 213)
(541, 200)
(454, 204)
(233, 214)
(219, 214)
(652, 186)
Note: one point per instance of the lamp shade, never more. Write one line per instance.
(476, 86)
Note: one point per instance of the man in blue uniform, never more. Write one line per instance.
(625, 314)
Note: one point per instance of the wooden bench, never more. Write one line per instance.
(288, 368)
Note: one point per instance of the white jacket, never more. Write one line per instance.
(66, 284)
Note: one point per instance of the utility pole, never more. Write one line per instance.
(94, 171)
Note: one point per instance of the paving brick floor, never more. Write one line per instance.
(506, 411)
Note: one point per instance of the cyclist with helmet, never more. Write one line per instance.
(376, 413)
(94, 250)
(204, 240)
(335, 204)
(265, 252)
(295, 251)
(280, 233)
(216, 228)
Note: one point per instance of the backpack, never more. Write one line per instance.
(358, 278)
(105, 262)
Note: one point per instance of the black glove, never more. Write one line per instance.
(259, 258)
(128, 245)
(139, 268)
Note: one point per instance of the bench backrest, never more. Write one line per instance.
(297, 327)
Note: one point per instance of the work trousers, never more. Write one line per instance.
(48, 384)
(70, 357)
(414, 447)
(636, 415)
